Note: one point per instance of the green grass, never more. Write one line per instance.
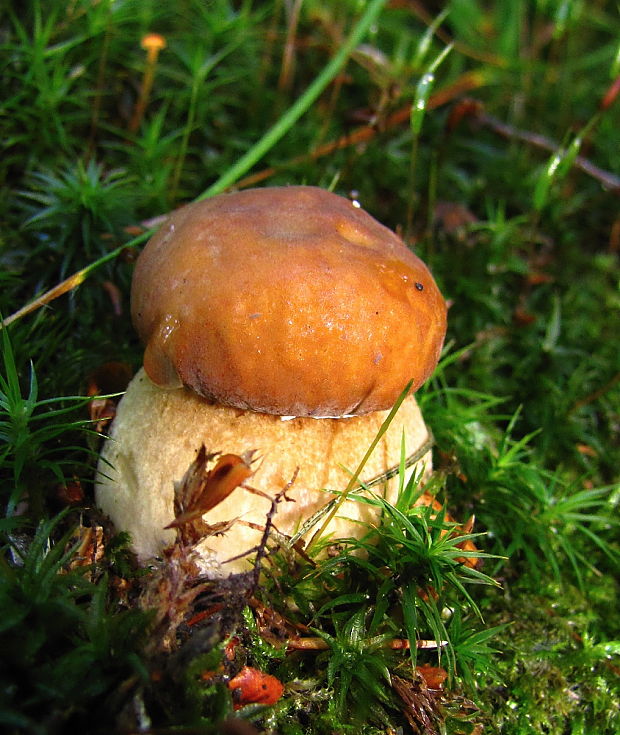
(524, 407)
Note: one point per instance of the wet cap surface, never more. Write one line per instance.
(288, 301)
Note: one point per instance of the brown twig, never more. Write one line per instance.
(607, 179)
(465, 83)
(261, 548)
(395, 644)
(596, 394)
(288, 58)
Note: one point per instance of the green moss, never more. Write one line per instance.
(557, 664)
(525, 406)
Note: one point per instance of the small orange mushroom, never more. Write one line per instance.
(152, 43)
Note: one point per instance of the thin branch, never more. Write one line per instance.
(395, 644)
(608, 180)
(465, 83)
(597, 393)
(261, 547)
(288, 58)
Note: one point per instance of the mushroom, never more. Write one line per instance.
(282, 320)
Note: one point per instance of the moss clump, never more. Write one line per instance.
(557, 667)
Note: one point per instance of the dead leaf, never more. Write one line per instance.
(434, 676)
(274, 627)
(111, 377)
(115, 296)
(90, 546)
(201, 490)
(71, 493)
(101, 412)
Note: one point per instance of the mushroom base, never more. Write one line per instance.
(155, 437)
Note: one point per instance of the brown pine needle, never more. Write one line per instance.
(74, 280)
(67, 285)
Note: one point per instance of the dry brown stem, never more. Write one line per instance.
(395, 644)
(608, 180)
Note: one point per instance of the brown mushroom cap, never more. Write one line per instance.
(288, 301)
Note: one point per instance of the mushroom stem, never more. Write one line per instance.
(354, 478)
(152, 43)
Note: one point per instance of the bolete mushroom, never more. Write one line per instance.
(282, 320)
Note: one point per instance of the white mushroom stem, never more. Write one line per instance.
(155, 437)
